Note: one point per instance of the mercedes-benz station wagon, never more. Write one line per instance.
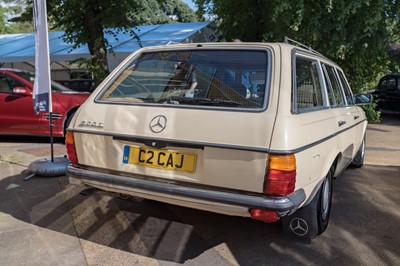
(255, 130)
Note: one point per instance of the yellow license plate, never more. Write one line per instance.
(162, 159)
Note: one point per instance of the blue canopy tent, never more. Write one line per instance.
(18, 50)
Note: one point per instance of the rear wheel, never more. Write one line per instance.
(358, 161)
(313, 219)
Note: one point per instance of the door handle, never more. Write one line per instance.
(341, 123)
(356, 117)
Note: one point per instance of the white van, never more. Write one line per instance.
(247, 129)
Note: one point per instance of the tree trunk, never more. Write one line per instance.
(96, 41)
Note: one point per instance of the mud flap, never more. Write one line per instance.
(304, 222)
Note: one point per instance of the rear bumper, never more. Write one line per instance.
(177, 191)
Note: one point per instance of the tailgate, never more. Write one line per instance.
(217, 148)
(202, 114)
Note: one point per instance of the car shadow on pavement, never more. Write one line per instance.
(37, 201)
(146, 228)
(364, 216)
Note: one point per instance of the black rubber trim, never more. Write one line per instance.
(175, 143)
(305, 147)
(161, 143)
(261, 201)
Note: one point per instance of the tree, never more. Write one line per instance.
(87, 22)
(161, 11)
(8, 10)
(356, 34)
(3, 27)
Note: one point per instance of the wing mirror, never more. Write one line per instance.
(22, 91)
(361, 99)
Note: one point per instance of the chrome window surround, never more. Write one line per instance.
(128, 62)
(304, 55)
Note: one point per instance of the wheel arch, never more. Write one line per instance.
(331, 165)
(67, 117)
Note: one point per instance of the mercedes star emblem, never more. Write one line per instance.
(158, 123)
(299, 226)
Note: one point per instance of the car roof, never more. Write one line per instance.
(284, 47)
(392, 75)
(15, 70)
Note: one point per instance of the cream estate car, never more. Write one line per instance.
(255, 130)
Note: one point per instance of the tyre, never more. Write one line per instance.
(313, 219)
(358, 161)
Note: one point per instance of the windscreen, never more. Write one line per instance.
(216, 78)
(30, 77)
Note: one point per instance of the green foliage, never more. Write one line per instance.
(3, 27)
(8, 11)
(372, 113)
(355, 34)
(6, 27)
(21, 27)
(87, 22)
(159, 12)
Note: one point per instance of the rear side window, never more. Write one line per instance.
(334, 90)
(346, 89)
(212, 78)
(308, 88)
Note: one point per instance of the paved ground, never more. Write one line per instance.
(46, 221)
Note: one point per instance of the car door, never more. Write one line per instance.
(396, 96)
(390, 94)
(16, 110)
(356, 111)
(343, 112)
(382, 93)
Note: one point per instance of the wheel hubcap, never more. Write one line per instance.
(362, 149)
(325, 199)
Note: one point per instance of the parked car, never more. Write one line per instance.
(387, 94)
(82, 85)
(179, 124)
(16, 106)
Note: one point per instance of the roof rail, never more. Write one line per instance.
(172, 42)
(291, 41)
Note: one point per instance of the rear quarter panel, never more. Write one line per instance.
(314, 136)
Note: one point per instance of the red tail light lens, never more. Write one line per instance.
(280, 179)
(71, 150)
(264, 215)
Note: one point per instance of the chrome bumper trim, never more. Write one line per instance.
(286, 204)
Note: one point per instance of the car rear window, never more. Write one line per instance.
(201, 78)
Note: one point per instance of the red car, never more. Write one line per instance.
(16, 106)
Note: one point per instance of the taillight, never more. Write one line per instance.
(71, 150)
(280, 179)
(264, 215)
